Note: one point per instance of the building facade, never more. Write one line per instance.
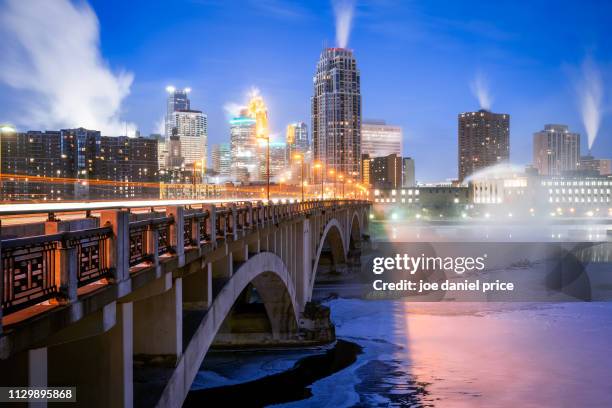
(336, 113)
(192, 130)
(243, 146)
(178, 100)
(221, 156)
(556, 150)
(72, 164)
(386, 172)
(408, 173)
(379, 139)
(591, 165)
(484, 140)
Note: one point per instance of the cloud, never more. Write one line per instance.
(344, 11)
(232, 109)
(480, 89)
(590, 93)
(51, 52)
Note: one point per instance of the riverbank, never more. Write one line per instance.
(287, 386)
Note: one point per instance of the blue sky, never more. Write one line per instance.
(417, 60)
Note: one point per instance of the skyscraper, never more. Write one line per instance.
(379, 139)
(192, 129)
(178, 100)
(221, 159)
(336, 113)
(386, 172)
(297, 139)
(556, 150)
(243, 146)
(484, 140)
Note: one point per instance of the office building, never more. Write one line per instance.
(297, 140)
(379, 139)
(336, 113)
(386, 172)
(408, 175)
(221, 156)
(178, 100)
(192, 130)
(243, 146)
(366, 162)
(484, 140)
(556, 150)
(598, 167)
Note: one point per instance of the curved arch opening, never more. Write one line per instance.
(331, 263)
(262, 313)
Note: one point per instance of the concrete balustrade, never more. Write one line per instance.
(121, 292)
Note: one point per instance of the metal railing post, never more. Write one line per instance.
(177, 231)
(118, 253)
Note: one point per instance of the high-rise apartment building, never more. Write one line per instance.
(336, 113)
(556, 150)
(408, 174)
(379, 139)
(484, 140)
(192, 129)
(243, 146)
(221, 156)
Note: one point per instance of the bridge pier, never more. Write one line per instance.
(101, 365)
(158, 325)
(197, 288)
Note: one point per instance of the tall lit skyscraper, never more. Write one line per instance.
(379, 139)
(178, 100)
(484, 140)
(192, 129)
(336, 112)
(243, 146)
(556, 150)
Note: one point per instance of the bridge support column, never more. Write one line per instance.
(28, 368)
(101, 365)
(158, 325)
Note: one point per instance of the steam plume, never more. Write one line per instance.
(343, 10)
(51, 50)
(480, 89)
(590, 92)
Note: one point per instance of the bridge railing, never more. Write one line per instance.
(52, 268)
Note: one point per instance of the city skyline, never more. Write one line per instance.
(423, 97)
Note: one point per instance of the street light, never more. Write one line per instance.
(299, 157)
(332, 172)
(342, 181)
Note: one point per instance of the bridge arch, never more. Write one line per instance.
(269, 275)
